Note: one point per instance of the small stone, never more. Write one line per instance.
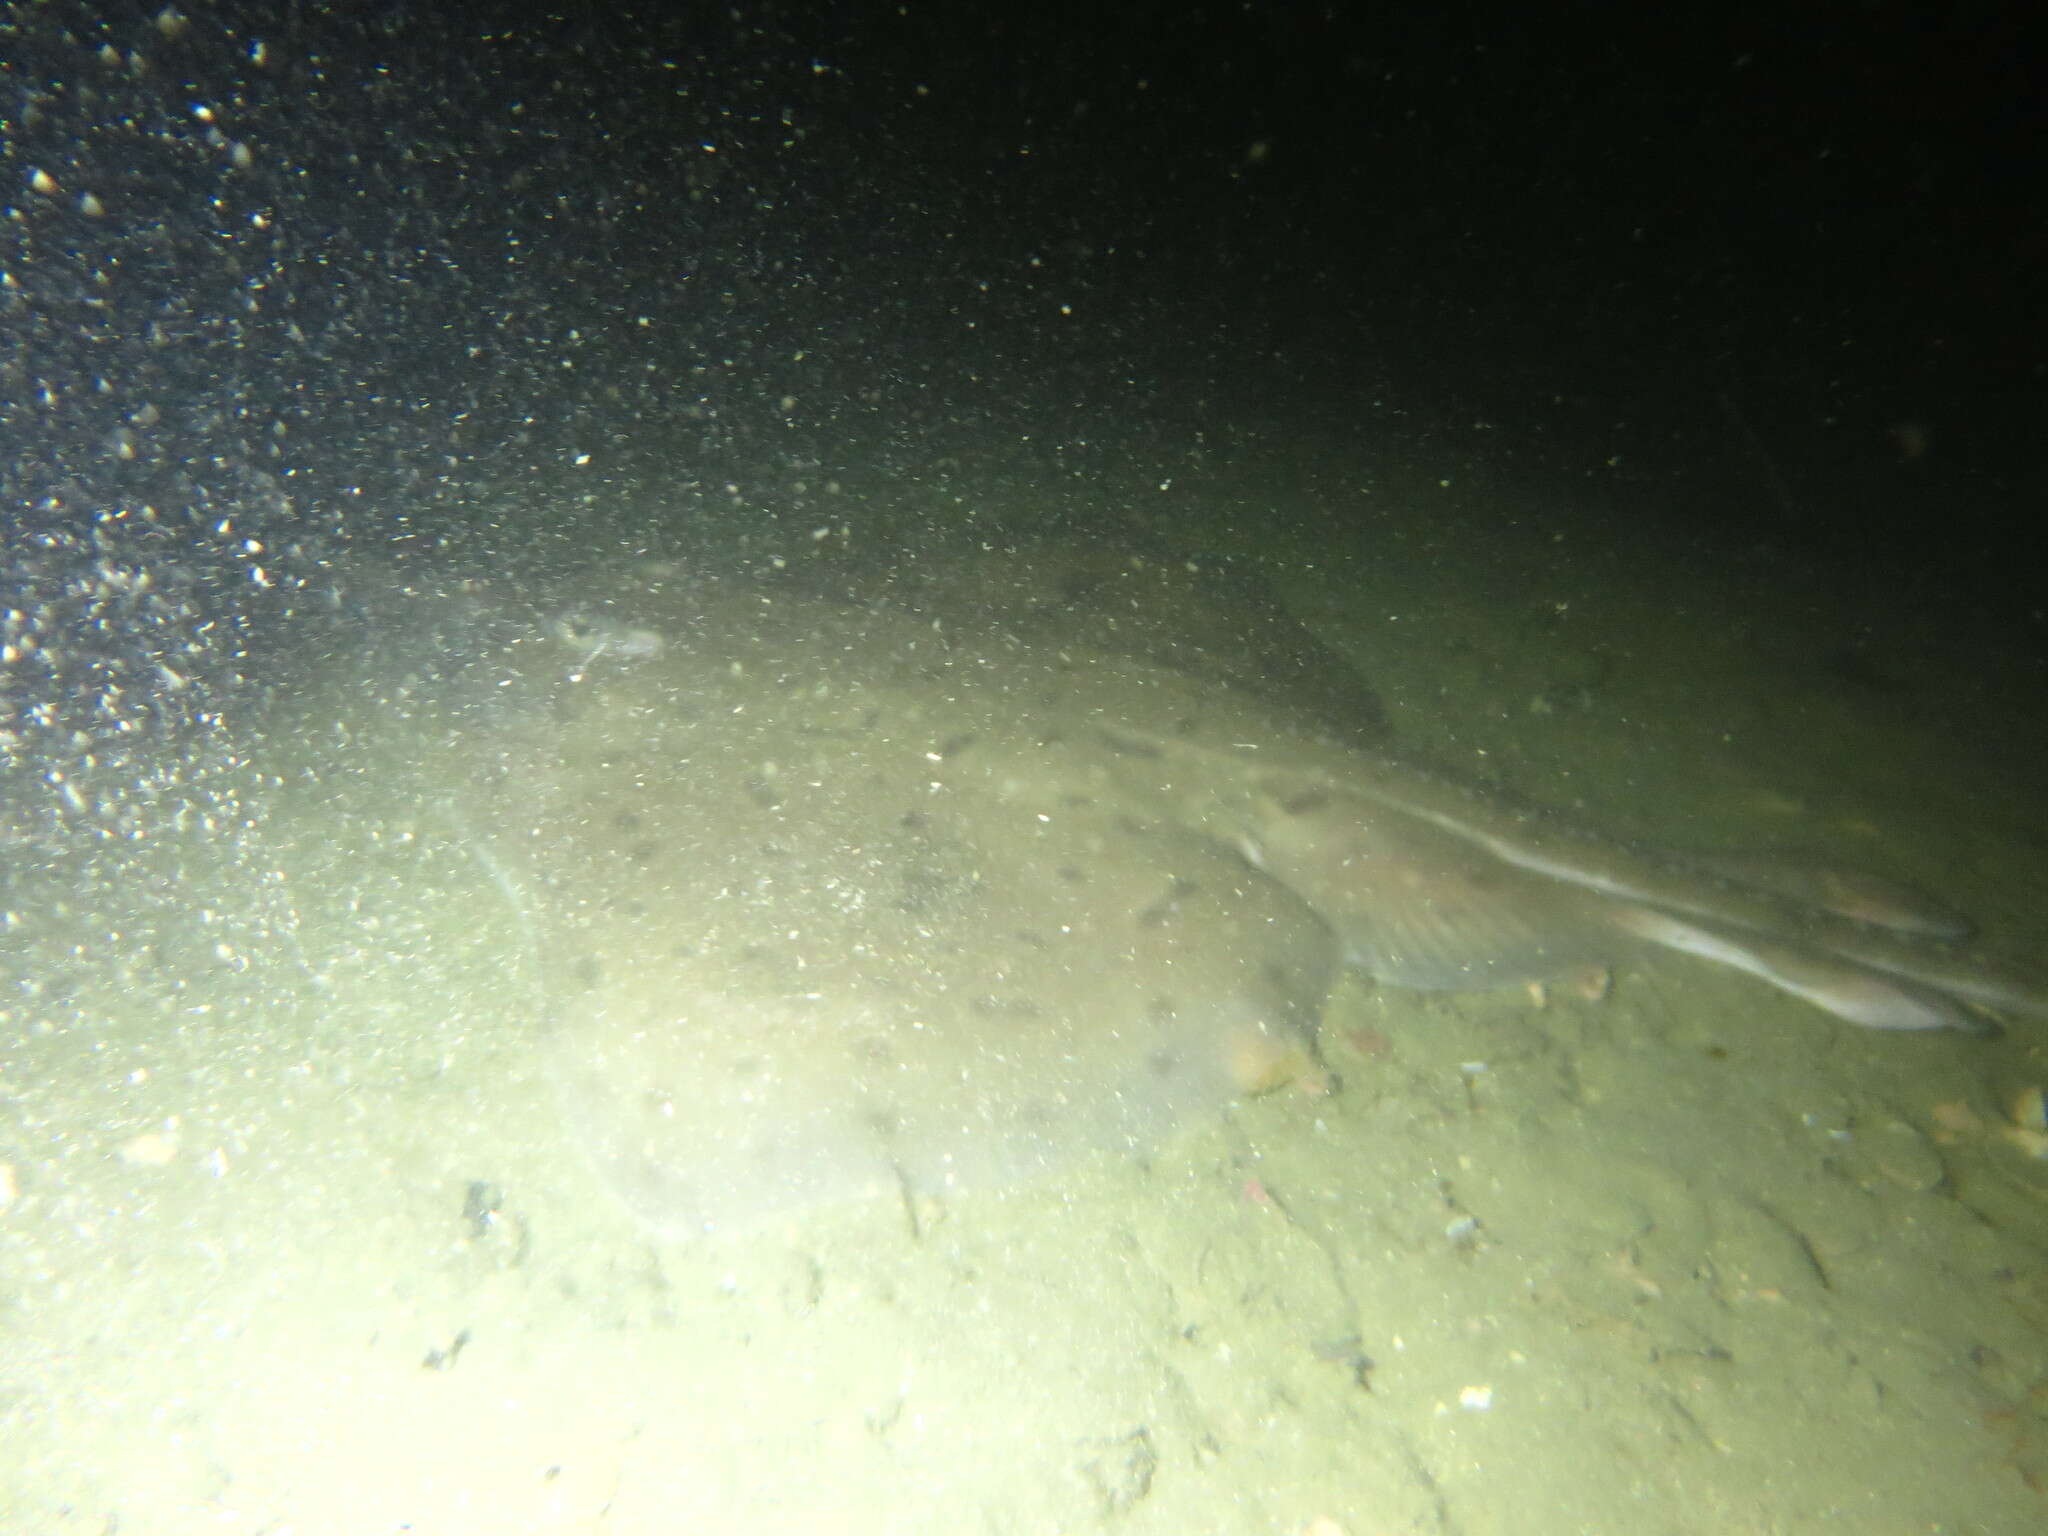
(2033, 1143)
(1122, 1473)
(2029, 1108)
(152, 1149)
(1956, 1118)
(1905, 1157)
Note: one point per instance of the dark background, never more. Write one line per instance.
(288, 288)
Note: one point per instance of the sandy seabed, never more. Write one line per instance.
(296, 1240)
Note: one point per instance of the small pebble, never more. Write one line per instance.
(152, 1149)
(2029, 1108)
(1905, 1157)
